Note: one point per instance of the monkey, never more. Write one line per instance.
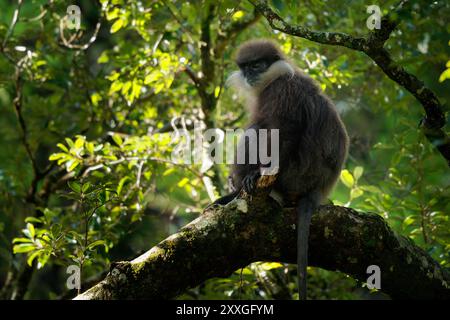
(313, 141)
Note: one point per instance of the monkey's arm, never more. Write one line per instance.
(248, 185)
(245, 175)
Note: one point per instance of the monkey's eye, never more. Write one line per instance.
(257, 65)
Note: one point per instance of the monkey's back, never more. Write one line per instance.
(313, 139)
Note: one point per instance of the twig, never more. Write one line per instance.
(13, 23)
(68, 43)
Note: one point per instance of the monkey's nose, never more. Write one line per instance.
(250, 76)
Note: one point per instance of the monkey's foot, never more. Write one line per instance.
(222, 201)
(249, 182)
(211, 206)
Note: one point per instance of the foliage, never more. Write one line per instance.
(87, 177)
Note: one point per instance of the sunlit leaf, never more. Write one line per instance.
(31, 230)
(357, 172)
(183, 182)
(33, 256)
(270, 265)
(356, 193)
(117, 139)
(23, 248)
(408, 221)
(117, 25)
(347, 178)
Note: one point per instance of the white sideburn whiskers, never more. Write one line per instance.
(240, 85)
(276, 70)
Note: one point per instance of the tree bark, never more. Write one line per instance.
(246, 230)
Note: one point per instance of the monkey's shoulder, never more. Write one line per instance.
(296, 86)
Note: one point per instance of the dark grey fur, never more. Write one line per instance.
(313, 143)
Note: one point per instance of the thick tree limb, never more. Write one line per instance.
(225, 239)
(373, 46)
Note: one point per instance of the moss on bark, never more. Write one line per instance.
(227, 238)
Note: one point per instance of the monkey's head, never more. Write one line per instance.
(260, 62)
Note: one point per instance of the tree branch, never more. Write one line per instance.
(389, 23)
(372, 45)
(228, 34)
(227, 238)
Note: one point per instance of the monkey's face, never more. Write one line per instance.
(253, 70)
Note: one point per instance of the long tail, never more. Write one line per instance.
(305, 209)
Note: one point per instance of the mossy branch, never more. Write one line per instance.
(227, 238)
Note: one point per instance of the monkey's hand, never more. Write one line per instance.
(250, 180)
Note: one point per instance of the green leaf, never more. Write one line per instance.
(237, 15)
(112, 14)
(121, 184)
(33, 256)
(75, 186)
(271, 265)
(69, 142)
(103, 58)
(117, 139)
(356, 193)
(372, 189)
(56, 229)
(56, 156)
(246, 271)
(90, 147)
(183, 182)
(115, 86)
(97, 243)
(49, 214)
(72, 164)
(33, 219)
(113, 76)
(31, 230)
(408, 221)
(62, 147)
(158, 87)
(77, 237)
(216, 92)
(23, 248)
(42, 260)
(136, 90)
(168, 171)
(79, 142)
(64, 158)
(126, 87)
(152, 77)
(22, 240)
(347, 178)
(444, 75)
(357, 172)
(117, 25)
(85, 187)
